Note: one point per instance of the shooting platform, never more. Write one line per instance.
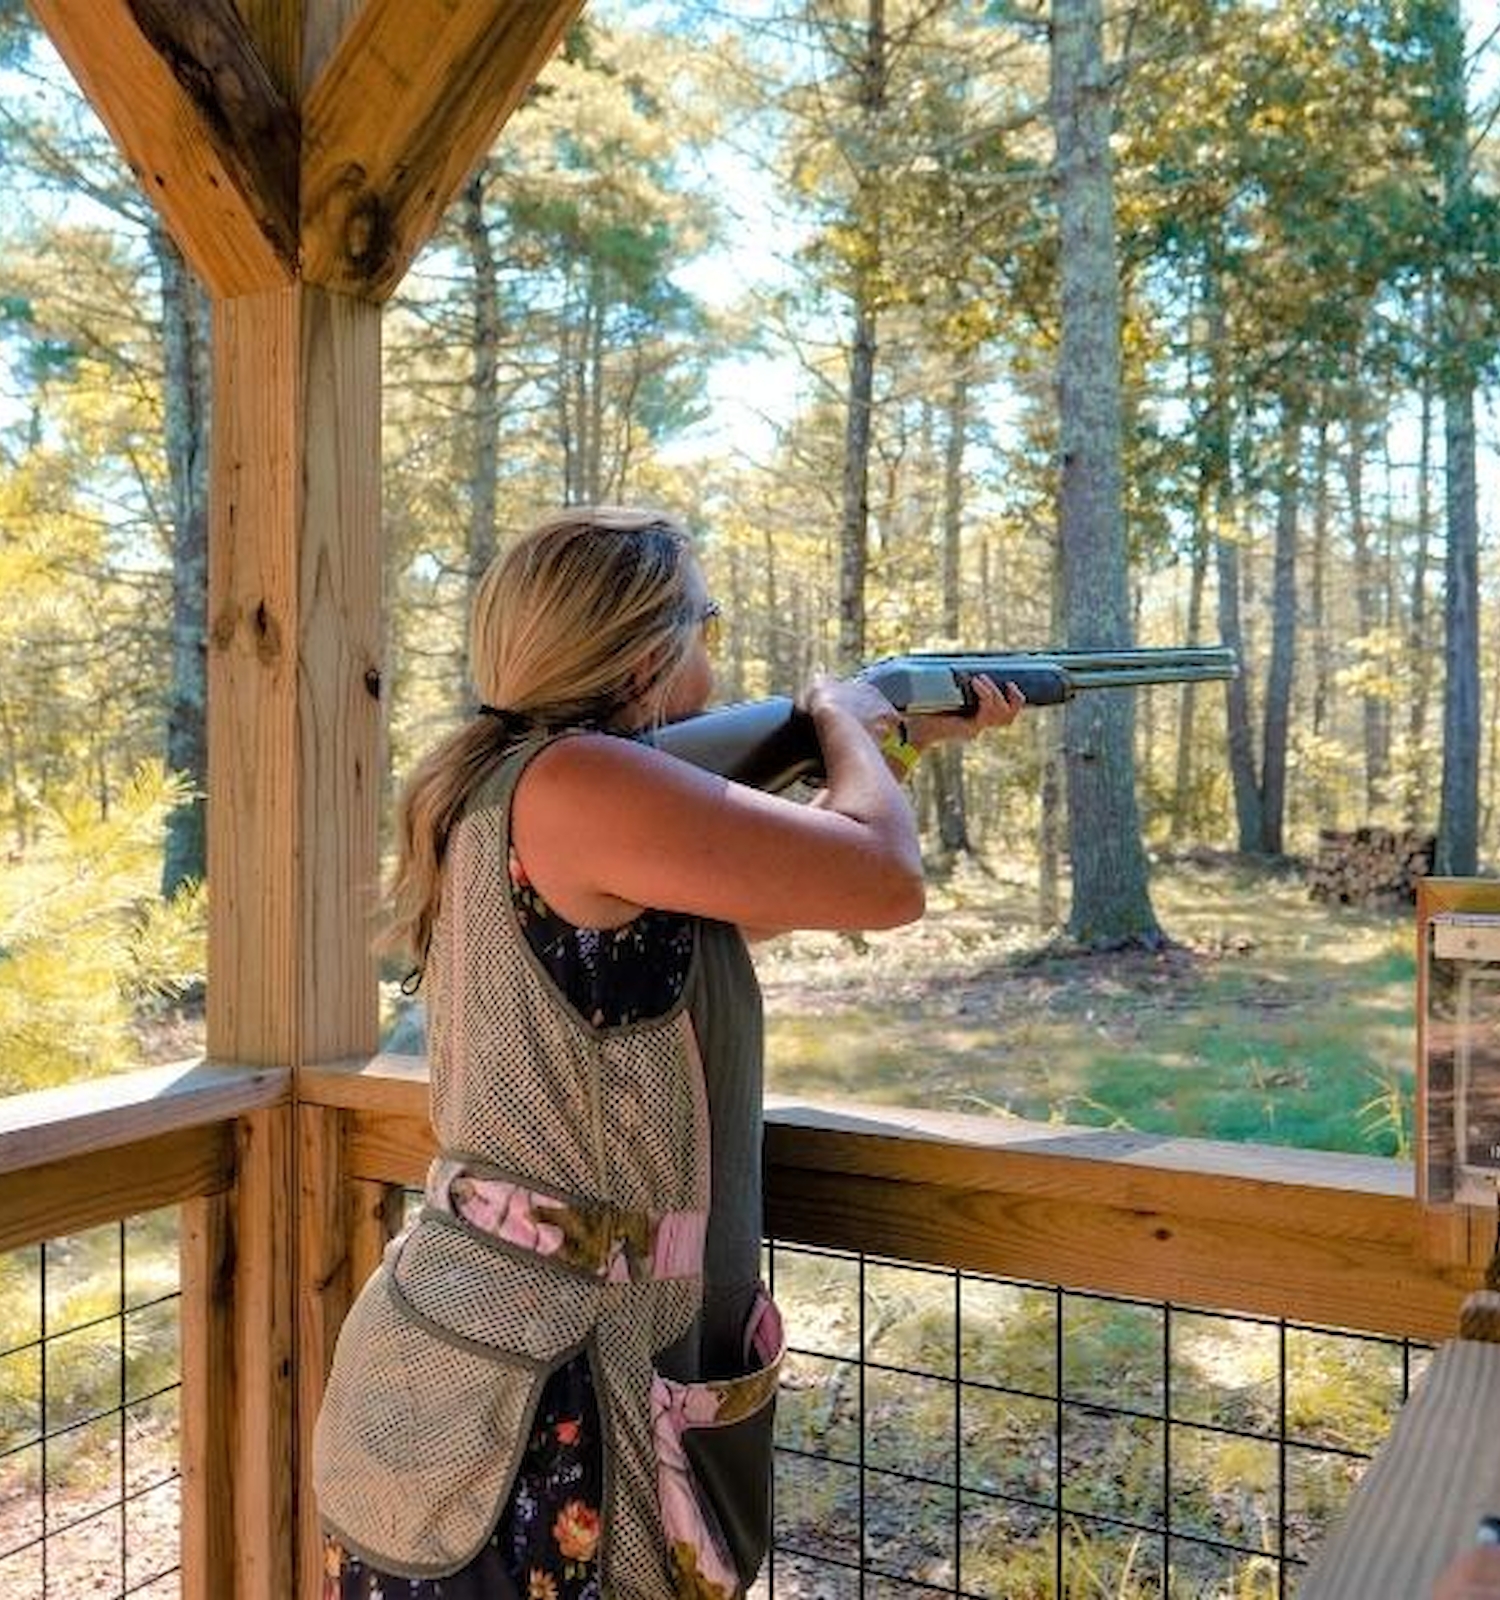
(301, 152)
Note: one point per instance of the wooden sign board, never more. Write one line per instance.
(1458, 1041)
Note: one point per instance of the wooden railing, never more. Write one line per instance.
(290, 1194)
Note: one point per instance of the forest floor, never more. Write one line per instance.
(1265, 1017)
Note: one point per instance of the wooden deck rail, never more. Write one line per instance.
(1307, 1235)
(287, 1203)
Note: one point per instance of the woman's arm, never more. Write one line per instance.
(607, 826)
(993, 709)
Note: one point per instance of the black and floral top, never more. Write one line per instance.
(545, 1545)
(610, 975)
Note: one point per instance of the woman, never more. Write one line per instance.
(560, 1382)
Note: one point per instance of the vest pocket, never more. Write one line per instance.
(473, 1287)
(714, 1444)
(417, 1439)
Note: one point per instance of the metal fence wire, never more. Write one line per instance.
(90, 1384)
(938, 1432)
(949, 1433)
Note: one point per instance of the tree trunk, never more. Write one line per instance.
(186, 408)
(1458, 813)
(1322, 688)
(1182, 783)
(1366, 587)
(1419, 657)
(1283, 633)
(1111, 902)
(948, 767)
(1457, 852)
(485, 382)
(1244, 780)
(854, 529)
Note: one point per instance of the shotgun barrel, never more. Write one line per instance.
(771, 744)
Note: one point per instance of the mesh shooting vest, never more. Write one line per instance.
(577, 1204)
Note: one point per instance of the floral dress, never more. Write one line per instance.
(545, 1545)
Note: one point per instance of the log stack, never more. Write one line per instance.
(1370, 866)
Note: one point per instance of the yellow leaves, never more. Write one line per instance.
(1381, 670)
(83, 933)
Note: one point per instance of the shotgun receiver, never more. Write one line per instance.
(770, 744)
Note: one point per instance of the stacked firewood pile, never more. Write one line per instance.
(1369, 866)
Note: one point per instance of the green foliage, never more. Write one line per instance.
(83, 939)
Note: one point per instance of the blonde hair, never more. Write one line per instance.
(580, 620)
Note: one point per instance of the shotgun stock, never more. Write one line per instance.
(771, 744)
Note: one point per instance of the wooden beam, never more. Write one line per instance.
(81, 1191)
(194, 111)
(294, 677)
(324, 1224)
(86, 1119)
(264, 1325)
(1298, 1234)
(414, 95)
(1302, 1234)
(296, 39)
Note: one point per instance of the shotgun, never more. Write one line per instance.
(771, 744)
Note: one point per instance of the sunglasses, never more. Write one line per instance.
(711, 620)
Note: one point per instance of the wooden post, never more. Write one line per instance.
(207, 1440)
(291, 145)
(294, 775)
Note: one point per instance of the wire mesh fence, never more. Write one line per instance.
(947, 1433)
(90, 1388)
(938, 1433)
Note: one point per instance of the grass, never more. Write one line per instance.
(1117, 1357)
(1269, 1018)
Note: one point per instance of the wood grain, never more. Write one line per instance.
(210, 137)
(1417, 1505)
(413, 96)
(264, 1343)
(74, 1192)
(83, 1119)
(208, 1429)
(326, 1287)
(1338, 1240)
(295, 690)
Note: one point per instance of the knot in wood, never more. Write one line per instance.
(267, 634)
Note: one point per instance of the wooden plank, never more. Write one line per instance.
(913, 1136)
(208, 1430)
(80, 1191)
(414, 95)
(1417, 1505)
(264, 1343)
(1373, 1284)
(83, 1119)
(394, 1084)
(254, 518)
(294, 677)
(209, 136)
(340, 647)
(1312, 1237)
(1271, 1232)
(325, 1286)
(295, 40)
(386, 1149)
(375, 1213)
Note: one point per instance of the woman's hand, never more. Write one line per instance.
(826, 697)
(994, 710)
